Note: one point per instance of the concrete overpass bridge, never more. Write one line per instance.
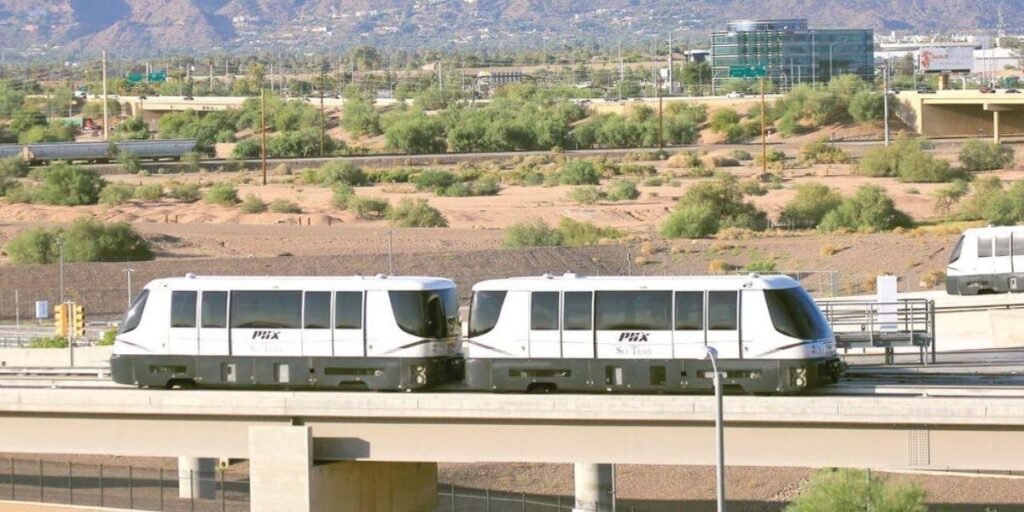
(329, 451)
(962, 113)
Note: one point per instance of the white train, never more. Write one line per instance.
(987, 260)
(646, 334)
(381, 333)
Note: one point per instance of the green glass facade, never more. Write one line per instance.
(790, 52)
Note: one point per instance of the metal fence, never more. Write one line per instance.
(116, 486)
(100, 303)
(451, 498)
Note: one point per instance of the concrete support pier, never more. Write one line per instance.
(283, 476)
(197, 478)
(593, 487)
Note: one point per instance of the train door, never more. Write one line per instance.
(1002, 260)
(183, 336)
(985, 264)
(266, 323)
(213, 324)
(545, 335)
(316, 324)
(349, 334)
(723, 323)
(577, 325)
(1017, 248)
(689, 337)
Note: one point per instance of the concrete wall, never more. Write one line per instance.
(50, 357)
(968, 121)
(382, 486)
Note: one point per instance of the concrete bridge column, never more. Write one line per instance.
(995, 126)
(594, 488)
(283, 476)
(197, 478)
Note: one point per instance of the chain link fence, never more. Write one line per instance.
(128, 487)
(101, 304)
(451, 498)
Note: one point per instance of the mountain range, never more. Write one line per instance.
(34, 27)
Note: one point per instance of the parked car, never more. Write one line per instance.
(986, 90)
(1012, 91)
(735, 94)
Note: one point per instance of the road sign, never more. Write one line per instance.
(747, 71)
(134, 77)
(158, 76)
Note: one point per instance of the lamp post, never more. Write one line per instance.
(830, 75)
(129, 272)
(60, 249)
(712, 354)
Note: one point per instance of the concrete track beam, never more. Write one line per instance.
(283, 476)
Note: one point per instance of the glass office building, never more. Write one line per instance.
(789, 52)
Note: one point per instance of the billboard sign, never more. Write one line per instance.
(945, 58)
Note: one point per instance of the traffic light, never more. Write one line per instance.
(79, 321)
(60, 320)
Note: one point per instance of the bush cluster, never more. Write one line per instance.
(869, 209)
(712, 205)
(976, 155)
(537, 233)
(906, 159)
(85, 240)
(416, 213)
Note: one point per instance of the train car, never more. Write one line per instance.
(646, 335)
(10, 150)
(987, 260)
(377, 333)
(46, 152)
(172, 149)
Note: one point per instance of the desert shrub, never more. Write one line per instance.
(68, 185)
(828, 250)
(867, 107)
(284, 206)
(820, 151)
(150, 192)
(86, 240)
(16, 193)
(108, 337)
(752, 187)
(724, 161)
(760, 266)
(486, 186)
(906, 159)
(13, 167)
(223, 194)
(185, 192)
(720, 267)
(247, 148)
(654, 181)
(115, 194)
(711, 205)
(586, 194)
(576, 233)
(870, 209)
(342, 196)
(48, 342)
(850, 489)
(369, 208)
(700, 172)
(416, 213)
(253, 204)
(920, 167)
(342, 171)
(932, 279)
(772, 156)
(434, 179)
(742, 156)
(811, 203)
(685, 159)
(533, 233)
(623, 190)
(724, 119)
(397, 175)
(128, 161)
(976, 155)
(579, 172)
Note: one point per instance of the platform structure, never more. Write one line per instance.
(872, 324)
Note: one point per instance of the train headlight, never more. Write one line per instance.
(419, 374)
(799, 377)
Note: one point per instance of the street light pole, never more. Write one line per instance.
(129, 272)
(60, 248)
(712, 354)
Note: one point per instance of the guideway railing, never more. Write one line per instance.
(867, 324)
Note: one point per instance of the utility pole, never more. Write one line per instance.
(661, 119)
(764, 135)
(263, 129)
(885, 91)
(622, 70)
(323, 83)
(671, 87)
(106, 115)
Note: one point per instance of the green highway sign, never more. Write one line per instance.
(158, 76)
(747, 71)
(134, 77)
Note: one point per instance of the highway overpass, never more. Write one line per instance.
(962, 113)
(309, 447)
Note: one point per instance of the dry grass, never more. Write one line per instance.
(933, 279)
(829, 250)
(720, 266)
(736, 234)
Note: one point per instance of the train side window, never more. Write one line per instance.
(134, 314)
(266, 309)
(485, 310)
(544, 311)
(215, 310)
(348, 310)
(1002, 245)
(689, 311)
(183, 309)
(629, 310)
(577, 311)
(984, 246)
(1018, 244)
(955, 255)
(318, 310)
(722, 311)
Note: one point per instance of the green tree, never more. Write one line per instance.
(359, 117)
(415, 132)
(812, 202)
(849, 490)
(86, 240)
(534, 233)
(947, 197)
(711, 205)
(867, 107)
(416, 213)
(68, 185)
(976, 155)
(870, 209)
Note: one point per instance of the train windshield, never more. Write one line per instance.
(484, 311)
(795, 314)
(134, 315)
(956, 250)
(428, 314)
